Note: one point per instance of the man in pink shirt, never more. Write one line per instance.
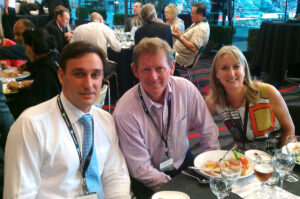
(153, 119)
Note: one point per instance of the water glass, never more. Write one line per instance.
(293, 148)
(230, 171)
(218, 186)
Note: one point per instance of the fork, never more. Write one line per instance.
(231, 149)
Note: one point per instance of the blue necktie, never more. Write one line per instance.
(92, 176)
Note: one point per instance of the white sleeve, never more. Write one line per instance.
(112, 40)
(115, 177)
(23, 158)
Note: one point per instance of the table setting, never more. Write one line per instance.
(125, 38)
(253, 174)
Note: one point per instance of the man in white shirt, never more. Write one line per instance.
(196, 36)
(100, 35)
(97, 33)
(44, 146)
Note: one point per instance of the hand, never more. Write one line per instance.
(68, 35)
(14, 86)
(27, 83)
(176, 33)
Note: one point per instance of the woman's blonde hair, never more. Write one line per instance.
(217, 90)
(172, 10)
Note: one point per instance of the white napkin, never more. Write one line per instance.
(247, 187)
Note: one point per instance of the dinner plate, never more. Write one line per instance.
(7, 91)
(215, 155)
(250, 154)
(291, 146)
(20, 76)
(170, 195)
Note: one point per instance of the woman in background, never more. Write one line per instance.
(171, 16)
(6, 63)
(39, 48)
(255, 113)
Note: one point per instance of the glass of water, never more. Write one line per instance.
(293, 148)
(218, 186)
(284, 163)
(230, 171)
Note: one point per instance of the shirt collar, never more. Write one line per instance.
(149, 103)
(73, 112)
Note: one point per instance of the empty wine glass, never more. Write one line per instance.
(230, 171)
(218, 186)
(284, 162)
(263, 170)
(293, 148)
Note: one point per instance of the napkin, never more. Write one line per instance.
(247, 187)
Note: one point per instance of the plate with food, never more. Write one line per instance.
(295, 149)
(170, 195)
(7, 91)
(253, 153)
(209, 160)
(14, 73)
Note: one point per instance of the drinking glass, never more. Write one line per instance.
(218, 186)
(263, 170)
(284, 163)
(230, 171)
(293, 148)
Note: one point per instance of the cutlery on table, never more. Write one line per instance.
(231, 149)
(200, 181)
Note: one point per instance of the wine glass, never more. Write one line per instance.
(230, 171)
(284, 163)
(293, 148)
(218, 186)
(263, 170)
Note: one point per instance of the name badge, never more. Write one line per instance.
(166, 164)
(87, 196)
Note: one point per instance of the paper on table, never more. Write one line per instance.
(246, 188)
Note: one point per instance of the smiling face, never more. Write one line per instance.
(230, 73)
(154, 73)
(82, 80)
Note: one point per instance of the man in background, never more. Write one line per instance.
(134, 21)
(58, 27)
(151, 28)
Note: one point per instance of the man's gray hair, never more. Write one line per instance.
(148, 13)
(95, 16)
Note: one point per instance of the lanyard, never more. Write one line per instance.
(83, 165)
(151, 118)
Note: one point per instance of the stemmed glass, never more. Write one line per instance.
(263, 170)
(284, 163)
(230, 171)
(218, 186)
(293, 148)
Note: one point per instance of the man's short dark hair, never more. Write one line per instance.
(28, 25)
(78, 49)
(59, 10)
(201, 9)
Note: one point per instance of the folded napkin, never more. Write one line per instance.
(247, 187)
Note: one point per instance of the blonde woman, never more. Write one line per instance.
(255, 113)
(171, 15)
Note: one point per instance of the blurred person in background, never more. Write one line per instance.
(135, 21)
(9, 18)
(9, 62)
(39, 46)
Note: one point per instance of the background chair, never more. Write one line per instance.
(191, 67)
(109, 71)
(101, 98)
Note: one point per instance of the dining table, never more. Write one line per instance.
(194, 190)
(277, 51)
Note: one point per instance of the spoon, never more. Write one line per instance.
(257, 156)
(200, 181)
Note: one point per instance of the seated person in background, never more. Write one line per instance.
(151, 28)
(153, 119)
(58, 27)
(99, 34)
(171, 15)
(67, 141)
(196, 36)
(39, 45)
(8, 62)
(135, 21)
(17, 51)
(254, 112)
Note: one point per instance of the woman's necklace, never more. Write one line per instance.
(239, 105)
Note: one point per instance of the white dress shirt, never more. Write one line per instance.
(41, 160)
(98, 34)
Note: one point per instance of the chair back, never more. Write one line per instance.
(196, 59)
(101, 98)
